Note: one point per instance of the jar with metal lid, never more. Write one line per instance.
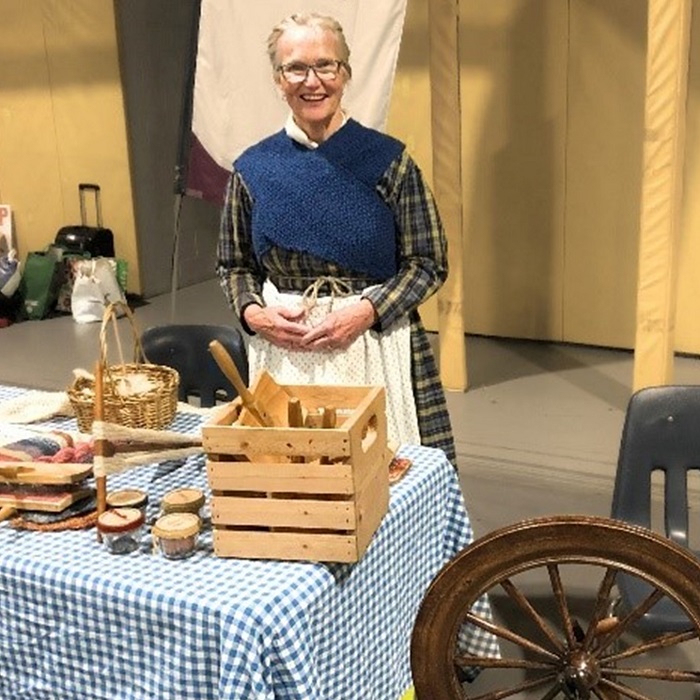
(176, 534)
(128, 498)
(183, 501)
(121, 529)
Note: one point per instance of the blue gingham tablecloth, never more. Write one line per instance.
(79, 623)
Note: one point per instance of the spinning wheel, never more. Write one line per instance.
(562, 644)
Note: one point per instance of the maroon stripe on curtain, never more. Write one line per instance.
(206, 179)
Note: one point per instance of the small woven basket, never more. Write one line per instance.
(152, 407)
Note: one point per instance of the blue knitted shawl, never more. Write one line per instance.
(324, 201)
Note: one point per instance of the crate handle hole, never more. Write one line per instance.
(369, 433)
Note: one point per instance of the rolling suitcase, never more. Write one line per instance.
(81, 239)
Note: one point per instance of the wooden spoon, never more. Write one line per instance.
(228, 367)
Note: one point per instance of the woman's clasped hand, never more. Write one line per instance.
(285, 327)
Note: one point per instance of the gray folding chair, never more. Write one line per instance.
(661, 435)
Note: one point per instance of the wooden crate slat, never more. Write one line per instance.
(281, 512)
(302, 478)
(253, 441)
(285, 546)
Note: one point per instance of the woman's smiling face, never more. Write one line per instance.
(315, 103)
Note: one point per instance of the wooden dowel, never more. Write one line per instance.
(228, 367)
(328, 420)
(295, 419)
(100, 446)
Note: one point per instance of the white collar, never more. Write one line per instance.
(296, 133)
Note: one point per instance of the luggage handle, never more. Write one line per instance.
(82, 187)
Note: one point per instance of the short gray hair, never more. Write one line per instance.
(309, 19)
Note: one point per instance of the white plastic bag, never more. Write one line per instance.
(94, 289)
(10, 273)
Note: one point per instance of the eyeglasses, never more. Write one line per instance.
(298, 72)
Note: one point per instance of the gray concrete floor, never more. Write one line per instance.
(537, 432)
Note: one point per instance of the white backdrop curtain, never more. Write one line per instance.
(235, 100)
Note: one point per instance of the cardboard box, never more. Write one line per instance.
(299, 493)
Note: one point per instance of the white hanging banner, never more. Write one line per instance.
(236, 102)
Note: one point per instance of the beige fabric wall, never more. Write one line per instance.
(605, 94)
(514, 131)
(552, 140)
(62, 121)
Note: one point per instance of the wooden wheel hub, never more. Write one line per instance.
(582, 672)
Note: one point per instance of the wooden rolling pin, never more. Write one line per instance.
(228, 367)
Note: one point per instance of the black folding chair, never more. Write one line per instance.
(185, 347)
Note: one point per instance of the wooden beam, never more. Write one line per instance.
(662, 185)
(447, 183)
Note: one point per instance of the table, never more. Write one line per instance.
(79, 623)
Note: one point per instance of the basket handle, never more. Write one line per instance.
(110, 314)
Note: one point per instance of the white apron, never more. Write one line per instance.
(373, 359)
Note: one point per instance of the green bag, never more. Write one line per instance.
(41, 280)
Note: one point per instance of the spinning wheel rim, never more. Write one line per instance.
(527, 545)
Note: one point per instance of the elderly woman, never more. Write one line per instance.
(330, 240)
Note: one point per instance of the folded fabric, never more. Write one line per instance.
(80, 453)
(35, 406)
(46, 446)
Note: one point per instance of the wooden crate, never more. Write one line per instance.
(305, 493)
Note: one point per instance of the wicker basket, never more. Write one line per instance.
(153, 408)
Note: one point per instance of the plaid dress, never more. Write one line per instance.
(422, 269)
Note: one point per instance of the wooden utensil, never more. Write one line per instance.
(295, 419)
(228, 367)
(43, 472)
(50, 503)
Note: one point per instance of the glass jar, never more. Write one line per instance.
(176, 534)
(183, 501)
(121, 529)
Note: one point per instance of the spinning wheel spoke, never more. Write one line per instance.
(662, 642)
(661, 674)
(626, 691)
(552, 693)
(635, 614)
(560, 599)
(521, 687)
(464, 661)
(602, 694)
(524, 604)
(505, 633)
(601, 609)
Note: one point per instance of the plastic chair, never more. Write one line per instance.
(661, 434)
(186, 348)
